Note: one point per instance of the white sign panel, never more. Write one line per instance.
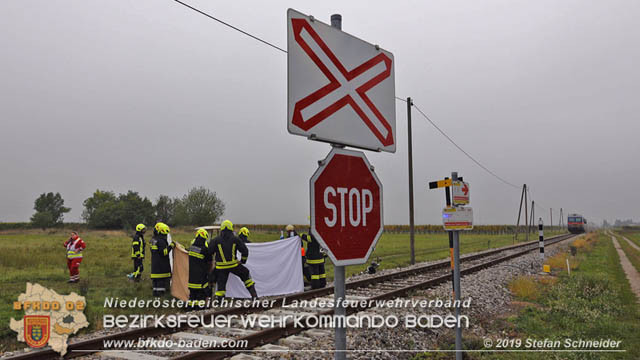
(460, 192)
(457, 218)
(340, 89)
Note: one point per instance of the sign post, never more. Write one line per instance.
(346, 218)
(456, 279)
(341, 90)
(455, 217)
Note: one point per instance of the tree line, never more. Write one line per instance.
(106, 210)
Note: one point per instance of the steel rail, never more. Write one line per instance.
(270, 335)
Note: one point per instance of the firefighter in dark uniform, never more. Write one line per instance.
(225, 247)
(243, 235)
(306, 274)
(200, 258)
(315, 261)
(160, 264)
(137, 252)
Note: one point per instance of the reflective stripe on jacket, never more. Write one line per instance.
(74, 248)
(225, 247)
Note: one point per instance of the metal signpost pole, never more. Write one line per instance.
(317, 52)
(447, 196)
(340, 311)
(456, 282)
(411, 218)
(338, 272)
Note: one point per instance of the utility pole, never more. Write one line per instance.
(515, 238)
(526, 212)
(551, 217)
(533, 215)
(411, 214)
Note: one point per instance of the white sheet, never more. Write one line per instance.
(275, 266)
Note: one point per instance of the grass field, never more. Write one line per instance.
(630, 251)
(594, 303)
(632, 235)
(38, 257)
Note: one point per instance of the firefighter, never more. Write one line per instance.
(200, 258)
(243, 235)
(291, 232)
(315, 261)
(74, 246)
(137, 252)
(160, 264)
(224, 247)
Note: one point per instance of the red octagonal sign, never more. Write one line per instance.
(346, 207)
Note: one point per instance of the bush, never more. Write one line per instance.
(525, 287)
(103, 210)
(200, 206)
(50, 210)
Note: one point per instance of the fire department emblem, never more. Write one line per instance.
(36, 330)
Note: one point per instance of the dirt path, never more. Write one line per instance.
(631, 243)
(632, 274)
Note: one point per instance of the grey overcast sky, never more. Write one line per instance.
(150, 96)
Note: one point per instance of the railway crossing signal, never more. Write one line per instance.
(340, 89)
(346, 206)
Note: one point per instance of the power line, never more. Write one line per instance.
(463, 151)
(231, 26)
(398, 98)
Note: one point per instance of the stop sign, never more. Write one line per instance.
(346, 207)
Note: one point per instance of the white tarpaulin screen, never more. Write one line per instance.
(275, 266)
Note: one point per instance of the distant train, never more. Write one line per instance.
(576, 223)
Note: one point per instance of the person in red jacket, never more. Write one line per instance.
(74, 246)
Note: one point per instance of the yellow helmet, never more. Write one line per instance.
(202, 233)
(244, 231)
(140, 227)
(289, 227)
(226, 225)
(162, 228)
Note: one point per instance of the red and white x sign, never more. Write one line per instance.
(341, 89)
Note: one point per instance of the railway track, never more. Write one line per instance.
(371, 289)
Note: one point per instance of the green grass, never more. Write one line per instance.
(595, 302)
(632, 254)
(632, 235)
(38, 257)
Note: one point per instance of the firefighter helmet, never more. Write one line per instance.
(244, 231)
(202, 233)
(140, 227)
(162, 228)
(226, 225)
(289, 227)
